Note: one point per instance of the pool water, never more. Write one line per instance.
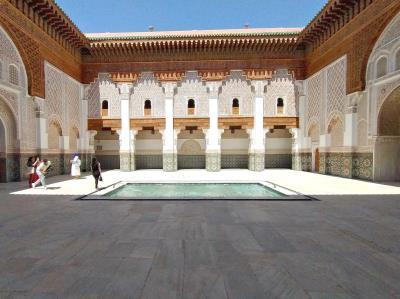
(193, 190)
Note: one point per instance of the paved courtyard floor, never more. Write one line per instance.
(346, 245)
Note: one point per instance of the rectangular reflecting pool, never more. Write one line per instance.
(190, 191)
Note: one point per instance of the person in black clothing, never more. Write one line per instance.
(96, 171)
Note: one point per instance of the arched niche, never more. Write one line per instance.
(387, 144)
(336, 131)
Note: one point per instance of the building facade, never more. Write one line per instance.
(324, 98)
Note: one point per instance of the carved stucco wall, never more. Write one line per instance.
(103, 89)
(21, 106)
(236, 86)
(280, 86)
(62, 99)
(388, 46)
(389, 121)
(326, 97)
(10, 56)
(7, 118)
(147, 88)
(191, 87)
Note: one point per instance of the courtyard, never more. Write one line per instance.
(343, 245)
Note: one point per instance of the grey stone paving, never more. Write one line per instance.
(339, 247)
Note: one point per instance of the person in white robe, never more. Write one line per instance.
(76, 167)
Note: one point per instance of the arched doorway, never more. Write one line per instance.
(9, 152)
(191, 149)
(387, 143)
(148, 149)
(106, 148)
(234, 148)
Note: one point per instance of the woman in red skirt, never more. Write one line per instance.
(33, 163)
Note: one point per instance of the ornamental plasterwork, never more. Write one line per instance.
(384, 91)
(336, 87)
(147, 88)
(62, 98)
(103, 89)
(54, 94)
(7, 50)
(314, 96)
(280, 86)
(11, 99)
(6, 115)
(9, 55)
(236, 86)
(72, 93)
(191, 87)
(391, 33)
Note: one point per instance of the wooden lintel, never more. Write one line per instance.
(236, 121)
(289, 122)
(141, 123)
(200, 123)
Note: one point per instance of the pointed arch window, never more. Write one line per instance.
(381, 67)
(147, 108)
(191, 106)
(397, 60)
(13, 76)
(235, 107)
(104, 108)
(280, 106)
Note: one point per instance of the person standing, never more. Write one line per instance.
(96, 172)
(32, 163)
(76, 166)
(42, 171)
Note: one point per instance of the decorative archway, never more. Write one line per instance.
(191, 149)
(8, 144)
(387, 143)
(313, 134)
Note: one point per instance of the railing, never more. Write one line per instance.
(235, 110)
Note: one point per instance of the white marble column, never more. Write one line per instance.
(124, 137)
(213, 134)
(170, 157)
(132, 137)
(257, 134)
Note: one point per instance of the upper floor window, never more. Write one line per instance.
(147, 108)
(235, 106)
(104, 108)
(191, 107)
(13, 74)
(397, 60)
(381, 67)
(280, 106)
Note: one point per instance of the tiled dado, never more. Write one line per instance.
(235, 161)
(170, 162)
(191, 161)
(301, 161)
(348, 165)
(149, 161)
(278, 161)
(213, 162)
